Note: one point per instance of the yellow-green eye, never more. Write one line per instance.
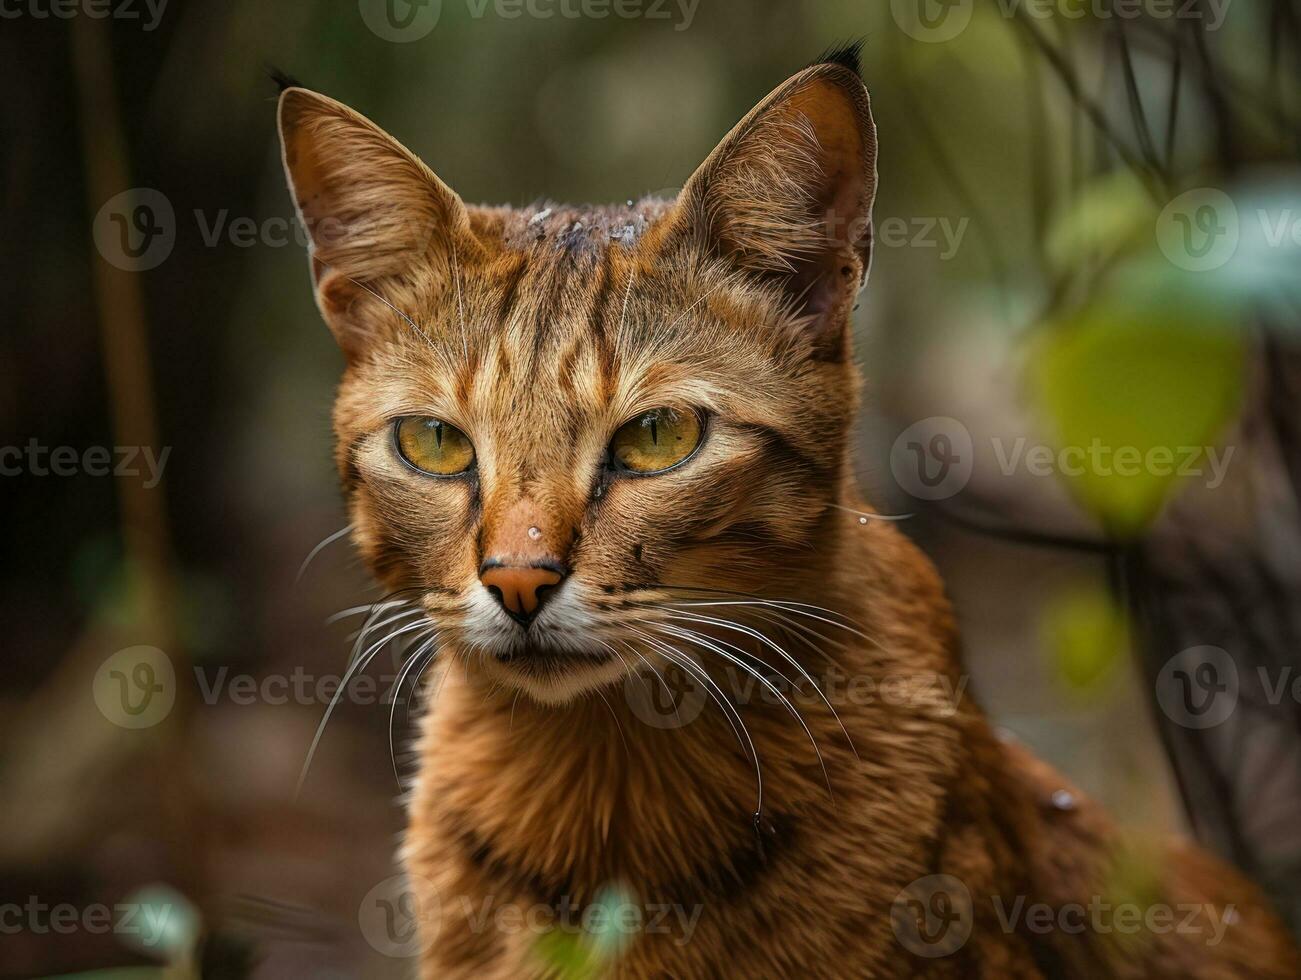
(656, 440)
(433, 446)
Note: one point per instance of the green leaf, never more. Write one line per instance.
(609, 925)
(1110, 215)
(1086, 635)
(1134, 400)
(567, 955)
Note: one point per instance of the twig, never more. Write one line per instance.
(126, 364)
(1066, 74)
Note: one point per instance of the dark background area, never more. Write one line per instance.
(1026, 140)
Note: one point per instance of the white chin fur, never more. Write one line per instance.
(560, 684)
(563, 626)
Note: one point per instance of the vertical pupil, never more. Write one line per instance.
(438, 434)
(654, 427)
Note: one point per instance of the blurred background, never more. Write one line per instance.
(1088, 242)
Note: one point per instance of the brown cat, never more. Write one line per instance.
(600, 450)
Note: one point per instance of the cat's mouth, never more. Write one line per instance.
(564, 653)
(542, 659)
(553, 673)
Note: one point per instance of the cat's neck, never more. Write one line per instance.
(561, 799)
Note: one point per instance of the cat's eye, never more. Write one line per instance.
(433, 446)
(655, 441)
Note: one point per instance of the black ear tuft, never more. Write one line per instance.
(283, 80)
(846, 55)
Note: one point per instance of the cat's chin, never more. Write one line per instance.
(552, 676)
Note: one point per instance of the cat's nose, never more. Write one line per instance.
(521, 589)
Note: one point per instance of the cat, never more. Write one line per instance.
(601, 450)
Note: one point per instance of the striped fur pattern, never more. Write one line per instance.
(537, 332)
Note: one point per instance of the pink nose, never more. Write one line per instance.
(520, 589)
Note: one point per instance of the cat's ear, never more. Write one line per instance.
(381, 225)
(788, 195)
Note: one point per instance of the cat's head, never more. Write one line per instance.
(558, 424)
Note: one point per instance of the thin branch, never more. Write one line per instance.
(1139, 115)
(1172, 110)
(1067, 76)
(1212, 84)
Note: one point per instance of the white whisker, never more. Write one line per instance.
(623, 315)
(684, 662)
(325, 543)
(410, 322)
(460, 304)
(866, 515)
(425, 645)
(691, 636)
(772, 645)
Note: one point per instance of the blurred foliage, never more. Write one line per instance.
(1086, 636)
(1125, 346)
(1135, 883)
(129, 973)
(169, 924)
(1133, 399)
(607, 932)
